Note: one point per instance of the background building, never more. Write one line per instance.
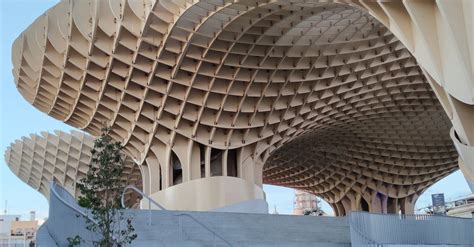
(15, 232)
(462, 207)
(6, 223)
(306, 203)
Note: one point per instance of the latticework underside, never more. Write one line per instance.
(61, 157)
(396, 157)
(322, 93)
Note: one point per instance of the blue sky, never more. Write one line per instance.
(18, 118)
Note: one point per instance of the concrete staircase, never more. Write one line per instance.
(203, 229)
(197, 229)
(243, 230)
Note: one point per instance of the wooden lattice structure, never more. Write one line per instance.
(338, 98)
(61, 157)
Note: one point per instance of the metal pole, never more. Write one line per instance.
(149, 213)
(180, 225)
(214, 236)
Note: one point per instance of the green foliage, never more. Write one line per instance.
(84, 202)
(314, 212)
(101, 189)
(75, 241)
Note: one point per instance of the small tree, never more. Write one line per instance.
(101, 189)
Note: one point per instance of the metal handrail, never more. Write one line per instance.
(132, 187)
(413, 216)
(368, 229)
(354, 228)
(205, 227)
(53, 186)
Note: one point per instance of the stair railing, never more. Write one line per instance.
(394, 229)
(179, 215)
(63, 207)
(54, 187)
(150, 201)
(214, 234)
(354, 229)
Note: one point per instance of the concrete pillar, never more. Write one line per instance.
(145, 178)
(183, 153)
(339, 209)
(407, 204)
(162, 153)
(224, 162)
(193, 162)
(346, 204)
(376, 203)
(392, 205)
(246, 164)
(258, 172)
(210, 192)
(153, 166)
(168, 169)
(384, 199)
(207, 162)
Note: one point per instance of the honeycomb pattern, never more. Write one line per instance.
(398, 158)
(314, 95)
(62, 157)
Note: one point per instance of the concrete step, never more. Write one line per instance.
(175, 243)
(194, 243)
(299, 244)
(242, 229)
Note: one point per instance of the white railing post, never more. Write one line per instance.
(149, 213)
(180, 226)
